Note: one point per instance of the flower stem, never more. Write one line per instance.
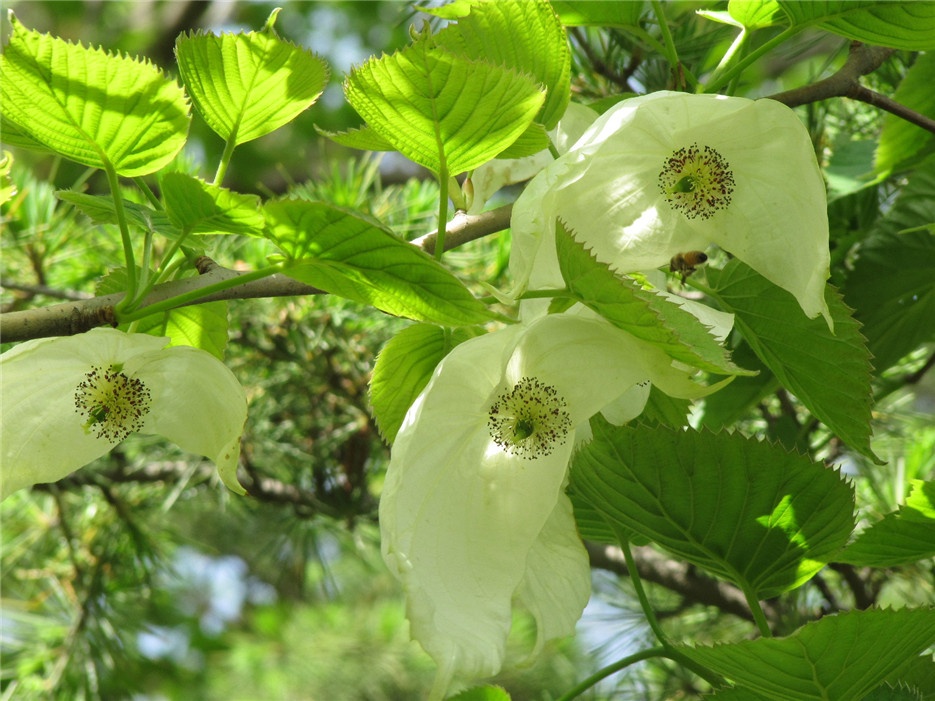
(638, 586)
(681, 73)
(605, 672)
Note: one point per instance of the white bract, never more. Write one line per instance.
(68, 401)
(668, 173)
(473, 514)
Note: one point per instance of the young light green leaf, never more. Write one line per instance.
(247, 85)
(645, 314)
(524, 36)
(364, 139)
(201, 326)
(443, 111)
(901, 140)
(842, 656)
(901, 25)
(756, 15)
(198, 207)
(338, 251)
(601, 13)
(100, 209)
(743, 510)
(403, 369)
(829, 373)
(902, 537)
(482, 693)
(91, 106)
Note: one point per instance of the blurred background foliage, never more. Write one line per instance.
(142, 577)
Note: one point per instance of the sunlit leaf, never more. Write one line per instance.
(247, 85)
(443, 111)
(342, 253)
(199, 207)
(403, 369)
(901, 25)
(91, 106)
(524, 36)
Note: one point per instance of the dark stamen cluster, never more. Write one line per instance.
(529, 420)
(112, 403)
(697, 182)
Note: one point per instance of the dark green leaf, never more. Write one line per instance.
(901, 140)
(842, 656)
(829, 373)
(744, 510)
(902, 537)
(901, 25)
(642, 313)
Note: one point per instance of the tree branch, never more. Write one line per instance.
(679, 577)
(467, 227)
(70, 318)
(861, 60)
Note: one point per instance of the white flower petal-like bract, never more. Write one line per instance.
(473, 515)
(668, 173)
(68, 401)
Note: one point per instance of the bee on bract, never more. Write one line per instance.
(685, 263)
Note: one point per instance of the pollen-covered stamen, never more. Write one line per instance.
(529, 420)
(112, 404)
(697, 181)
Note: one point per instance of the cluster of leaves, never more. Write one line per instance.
(766, 516)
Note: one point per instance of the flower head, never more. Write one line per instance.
(473, 514)
(67, 401)
(667, 173)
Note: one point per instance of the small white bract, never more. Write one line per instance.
(68, 401)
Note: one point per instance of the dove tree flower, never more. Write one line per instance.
(667, 173)
(473, 514)
(67, 401)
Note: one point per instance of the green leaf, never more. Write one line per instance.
(443, 111)
(90, 106)
(482, 693)
(404, 367)
(829, 373)
(893, 693)
(892, 286)
(901, 25)
(201, 326)
(644, 314)
(601, 13)
(731, 403)
(340, 252)
(197, 207)
(850, 168)
(902, 537)
(901, 140)
(842, 656)
(756, 15)
(743, 510)
(100, 209)
(524, 36)
(531, 142)
(918, 673)
(247, 85)
(363, 139)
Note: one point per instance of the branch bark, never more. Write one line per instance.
(678, 577)
(861, 60)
